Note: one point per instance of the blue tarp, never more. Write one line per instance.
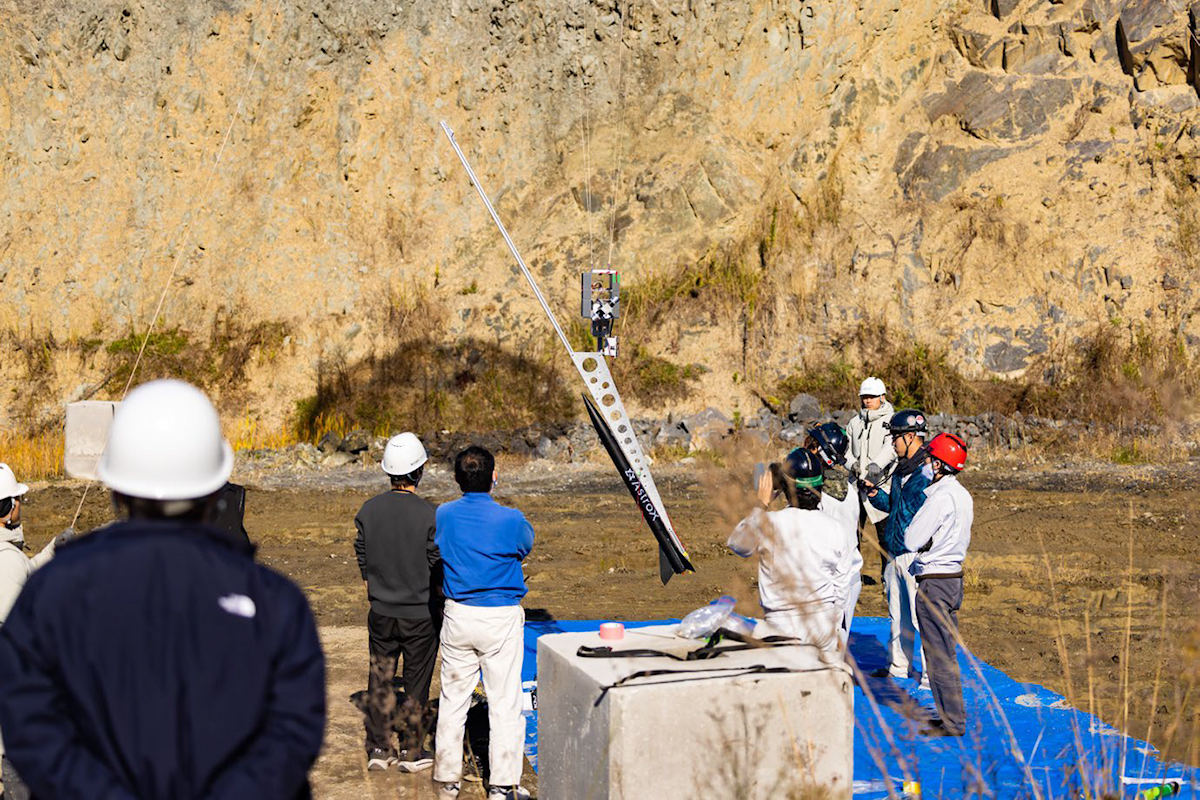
(1019, 734)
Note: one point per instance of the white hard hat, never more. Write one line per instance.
(403, 454)
(8, 483)
(165, 443)
(872, 387)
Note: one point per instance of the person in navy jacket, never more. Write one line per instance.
(901, 499)
(482, 544)
(153, 658)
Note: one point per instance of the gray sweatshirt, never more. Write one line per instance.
(396, 553)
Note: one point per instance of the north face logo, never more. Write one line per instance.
(239, 605)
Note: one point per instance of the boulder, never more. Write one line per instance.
(671, 434)
(764, 420)
(706, 428)
(1153, 42)
(338, 458)
(329, 443)
(556, 449)
(356, 441)
(803, 408)
(793, 433)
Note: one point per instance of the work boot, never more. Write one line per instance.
(378, 758)
(507, 793)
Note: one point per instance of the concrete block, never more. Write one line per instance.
(86, 435)
(706, 729)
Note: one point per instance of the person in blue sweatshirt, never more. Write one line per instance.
(482, 544)
(900, 497)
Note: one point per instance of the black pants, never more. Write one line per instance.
(417, 641)
(938, 601)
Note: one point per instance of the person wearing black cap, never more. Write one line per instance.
(840, 500)
(799, 551)
(900, 497)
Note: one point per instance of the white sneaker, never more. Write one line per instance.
(418, 761)
(507, 793)
(380, 759)
(446, 791)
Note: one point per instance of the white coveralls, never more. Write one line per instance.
(15, 569)
(845, 513)
(800, 553)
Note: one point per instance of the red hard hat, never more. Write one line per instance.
(950, 450)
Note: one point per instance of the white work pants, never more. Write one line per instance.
(816, 624)
(487, 640)
(900, 588)
(848, 612)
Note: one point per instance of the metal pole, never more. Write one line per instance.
(496, 218)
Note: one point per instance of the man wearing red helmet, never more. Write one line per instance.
(944, 524)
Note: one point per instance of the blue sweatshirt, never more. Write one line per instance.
(906, 497)
(482, 545)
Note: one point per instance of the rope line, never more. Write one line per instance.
(185, 226)
(612, 232)
(587, 161)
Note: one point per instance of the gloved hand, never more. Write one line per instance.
(67, 535)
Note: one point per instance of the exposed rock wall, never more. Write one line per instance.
(990, 175)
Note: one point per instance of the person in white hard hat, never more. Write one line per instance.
(153, 658)
(15, 569)
(15, 566)
(401, 567)
(871, 454)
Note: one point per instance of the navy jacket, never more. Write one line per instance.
(157, 660)
(904, 498)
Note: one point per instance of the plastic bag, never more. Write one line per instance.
(706, 620)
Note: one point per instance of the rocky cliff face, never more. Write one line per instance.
(990, 176)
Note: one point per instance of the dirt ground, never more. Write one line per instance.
(1085, 579)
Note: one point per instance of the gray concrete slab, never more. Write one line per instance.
(86, 434)
(704, 729)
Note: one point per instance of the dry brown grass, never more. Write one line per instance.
(33, 457)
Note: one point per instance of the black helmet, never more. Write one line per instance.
(804, 469)
(910, 420)
(831, 441)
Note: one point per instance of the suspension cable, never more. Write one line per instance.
(184, 232)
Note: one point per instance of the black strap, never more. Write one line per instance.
(703, 674)
(946, 575)
(585, 651)
(695, 675)
(706, 651)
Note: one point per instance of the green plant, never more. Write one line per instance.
(917, 375)
(653, 379)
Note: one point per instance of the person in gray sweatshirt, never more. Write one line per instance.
(401, 565)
